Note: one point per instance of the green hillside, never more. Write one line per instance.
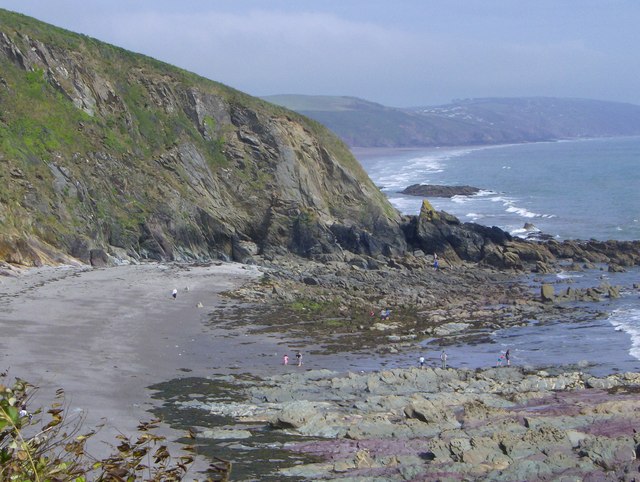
(109, 154)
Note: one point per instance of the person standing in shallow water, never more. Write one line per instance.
(174, 293)
(443, 359)
(421, 361)
(285, 360)
(507, 356)
(299, 358)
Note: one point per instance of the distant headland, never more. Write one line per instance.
(490, 121)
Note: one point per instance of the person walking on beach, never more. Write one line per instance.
(421, 361)
(507, 356)
(500, 360)
(174, 293)
(299, 358)
(443, 359)
(285, 359)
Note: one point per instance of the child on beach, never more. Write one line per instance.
(285, 360)
(500, 360)
(421, 361)
(174, 293)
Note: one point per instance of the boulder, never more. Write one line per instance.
(294, 414)
(450, 328)
(99, 258)
(432, 413)
(610, 454)
(542, 268)
(547, 292)
(616, 268)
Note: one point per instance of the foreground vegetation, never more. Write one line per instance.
(48, 446)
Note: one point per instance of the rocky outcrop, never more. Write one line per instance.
(418, 424)
(433, 190)
(439, 232)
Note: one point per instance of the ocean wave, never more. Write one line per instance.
(511, 207)
(406, 205)
(565, 275)
(628, 320)
(522, 212)
(479, 196)
(415, 171)
(460, 199)
(519, 232)
(484, 193)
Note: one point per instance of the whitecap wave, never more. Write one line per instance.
(416, 170)
(406, 205)
(519, 232)
(566, 275)
(522, 212)
(511, 207)
(460, 199)
(484, 193)
(628, 320)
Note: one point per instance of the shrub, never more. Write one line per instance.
(32, 449)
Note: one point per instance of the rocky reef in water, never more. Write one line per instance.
(436, 190)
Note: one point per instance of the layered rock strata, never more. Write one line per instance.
(431, 424)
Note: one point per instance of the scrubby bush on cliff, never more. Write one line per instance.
(34, 449)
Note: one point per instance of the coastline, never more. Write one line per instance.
(105, 335)
(114, 339)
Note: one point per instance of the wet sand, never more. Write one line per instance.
(105, 335)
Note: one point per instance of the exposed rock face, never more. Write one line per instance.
(141, 160)
(439, 232)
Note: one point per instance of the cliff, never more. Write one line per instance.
(106, 154)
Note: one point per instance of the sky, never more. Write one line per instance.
(399, 53)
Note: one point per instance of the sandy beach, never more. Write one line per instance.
(105, 335)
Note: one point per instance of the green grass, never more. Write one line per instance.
(307, 306)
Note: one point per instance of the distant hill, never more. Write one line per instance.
(361, 123)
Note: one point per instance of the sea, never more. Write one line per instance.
(574, 189)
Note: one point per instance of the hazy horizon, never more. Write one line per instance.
(414, 53)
